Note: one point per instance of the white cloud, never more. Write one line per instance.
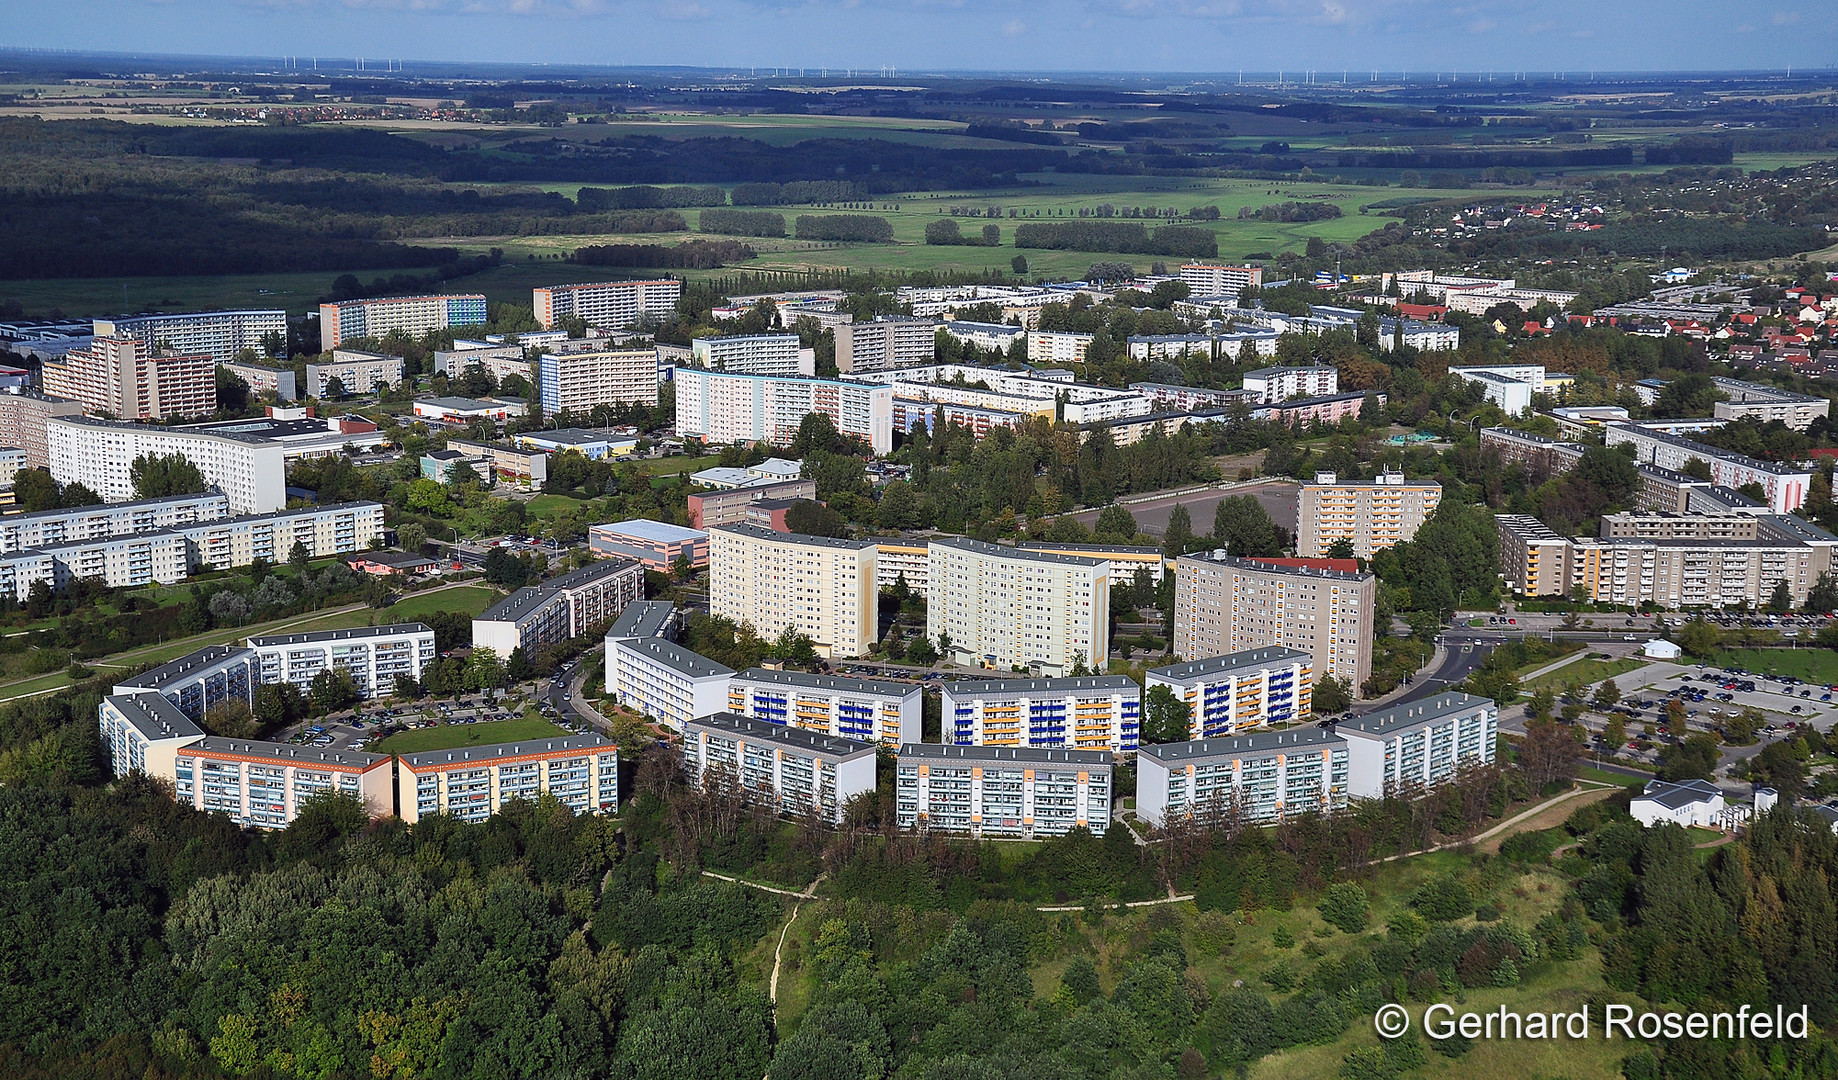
(1014, 28)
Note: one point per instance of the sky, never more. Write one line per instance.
(1143, 36)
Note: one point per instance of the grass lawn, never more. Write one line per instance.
(1587, 672)
(451, 736)
(674, 465)
(465, 599)
(1813, 665)
(1572, 647)
(1606, 777)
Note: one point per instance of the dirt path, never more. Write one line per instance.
(1549, 816)
(1506, 828)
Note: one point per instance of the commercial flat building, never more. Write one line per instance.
(126, 379)
(725, 407)
(1237, 692)
(375, 656)
(1267, 386)
(895, 559)
(885, 343)
(787, 769)
(1371, 517)
(263, 380)
(664, 681)
(1227, 605)
(264, 784)
(559, 609)
(1084, 712)
(1007, 608)
(460, 410)
(577, 382)
(199, 682)
(99, 454)
(48, 527)
(592, 445)
(1786, 485)
(581, 771)
(1754, 401)
(356, 372)
(221, 335)
(143, 732)
(1532, 450)
(1209, 279)
(873, 710)
(708, 509)
(751, 354)
(817, 586)
(1001, 791)
(1124, 559)
(1057, 347)
(24, 415)
(657, 544)
(610, 304)
(1418, 744)
(377, 318)
(1262, 777)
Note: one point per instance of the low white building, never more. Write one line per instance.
(1418, 744)
(665, 681)
(1687, 802)
(788, 769)
(1001, 791)
(1661, 649)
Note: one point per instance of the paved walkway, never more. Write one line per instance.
(1583, 786)
(1553, 666)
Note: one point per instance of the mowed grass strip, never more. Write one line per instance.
(1813, 665)
(456, 736)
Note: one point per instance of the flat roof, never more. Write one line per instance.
(483, 755)
(1411, 713)
(1708, 452)
(758, 533)
(1257, 742)
(517, 604)
(1324, 399)
(350, 634)
(172, 671)
(459, 404)
(571, 436)
(1107, 549)
(661, 532)
(844, 684)
(1071, 684)
(1090, 759)
(285, 753)
(1271, 567)
(1248, 659)
(114, 508)
(676, 657)
(981, 548)
(642, 619)
(782, 734)
(154, 716)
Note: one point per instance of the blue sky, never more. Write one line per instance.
(987, 35)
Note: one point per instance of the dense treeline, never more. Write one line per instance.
(857, 228)
(646, 197)
(945, 232)
(1715, 238)
(742, 222)
(1292, 211)
(688, 255)
(1490, 158)
(1128, 237)
(768, 193)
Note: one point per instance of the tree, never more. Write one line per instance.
(921, 652)
(1166, 718)
(333, 689)
(1346, 906)
(1243, 527)
(1700, 638)
(1693, 759)
(484, 671)
(232, 719)
(228, 607)
(232, 391)
(813, 518)
(1607, 695)
(517, 667)
(1614, 733)
(1117, 523)
(412, 537)
(1541, 703)
(334, 388)
(1781, 599)
(297, 557)
(1547, 754)
(278, 703)
(1782, 766)
(76, 495)
(1740, 729)
(1331, 696)
(1019, 263)
(1177, 538)
(1823, 596)
(35, 491)
(156, 476)
(1341, 548)
(406, 687)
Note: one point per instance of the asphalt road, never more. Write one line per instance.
(1463, 654)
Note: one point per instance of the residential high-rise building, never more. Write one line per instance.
(751, 354)
(895, 559)
(99, 454)
(125, 378)
(1238, 692)
(1001, 791)
(1370, 517)
(373, 655)
(723, 407)
(143, 731)
(817, 586)
(559, 609)
(357, 372)
(885, 343)
(1260, 777)
(1083, 712)
(1786, 486)
(1208, 279)
(613, 305)
(577, 382)
(221, 335)
(1003, 607)
(1534, 560)
(660, 679)
(874, 710)
(24, 415)
(788, 769)
(1269, 386)
(1418, 743)
(471, 784)
(349, 320)
(1226, 605)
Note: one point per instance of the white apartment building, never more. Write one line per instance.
(1001, 791)
(1004, 608)
(1371, 517)
(1084, 712)
(497, 361)
(1208, 279)
(752, 354)
(263, 379)
(48, 527)
(895, 559)
(374, 655)
(1187, 399)
(610, 304)
(264, 784)
(1513, 396)
(663, 680)
(985, 335)
(1478, 301)
(818, 586)
(21, 570)
(99, 454)
(330, 529)
(577, 382)
(1057, 346)
(1269, 386)
(788, 769)
(885, 343)
(218, 334)
(1124, 559)
(1116, 406)
(201, 681)
(873, 710)
(413, 315)
(119, 561)
(1238, 692)
(1262, 777)
(719, 407)
(1746, 400)
(143, 732)
(1170, 346)
(1226, 605)
(559, 609)
(358, 372)
(126, 379)
(471, 784)
(1786, 485)
(1419, 743)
